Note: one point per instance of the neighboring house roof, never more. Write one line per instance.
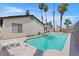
(22, 16)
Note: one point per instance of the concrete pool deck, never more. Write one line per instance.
(27, 50)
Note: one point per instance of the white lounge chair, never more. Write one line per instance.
(8, 44)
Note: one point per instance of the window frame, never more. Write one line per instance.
(18, 26)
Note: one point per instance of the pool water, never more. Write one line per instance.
(48, 42)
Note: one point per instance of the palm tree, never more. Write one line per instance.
(45, 10)
(62, 8)
(67, 22)
(54, 17)
(50, 24)
(27, 12)
(41, 5)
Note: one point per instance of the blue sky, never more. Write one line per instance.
(9, 9)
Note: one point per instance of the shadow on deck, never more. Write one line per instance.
(38, 53)
(4, 52)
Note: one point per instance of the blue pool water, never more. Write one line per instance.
(48, 42)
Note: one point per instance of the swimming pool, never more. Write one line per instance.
(48, 42)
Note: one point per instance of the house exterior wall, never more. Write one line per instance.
(30, 27)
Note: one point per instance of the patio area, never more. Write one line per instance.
(28, 50)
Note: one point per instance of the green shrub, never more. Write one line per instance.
(39, 33)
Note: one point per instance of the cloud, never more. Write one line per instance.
(8, 10)
(64, 17)
(57, 18)
(3, 15)
(13, 9)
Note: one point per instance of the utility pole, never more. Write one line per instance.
(53, 17)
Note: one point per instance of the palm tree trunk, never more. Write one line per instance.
(53, 21)
(61, 23)
(45, 17)
(41, 15)
(42, 19)
(67, 26)
(46, 21)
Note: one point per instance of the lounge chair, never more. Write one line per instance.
(8, 45)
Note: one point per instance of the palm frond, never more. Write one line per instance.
(45, 8)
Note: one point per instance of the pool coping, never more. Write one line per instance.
(64, 52)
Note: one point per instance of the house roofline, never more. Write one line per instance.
(15, 16)
(37, 19)
(22, 16)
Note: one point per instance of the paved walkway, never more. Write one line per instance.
(74, 50)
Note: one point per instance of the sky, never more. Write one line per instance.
(10, 9)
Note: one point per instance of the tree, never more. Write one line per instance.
(62, 8)
(50, 24)
(54, 17)
(45, 10)
(67, 22)
(27, 12)
(41, 5)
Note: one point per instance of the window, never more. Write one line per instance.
(16, 28)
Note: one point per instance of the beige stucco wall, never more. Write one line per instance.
(30, 27)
